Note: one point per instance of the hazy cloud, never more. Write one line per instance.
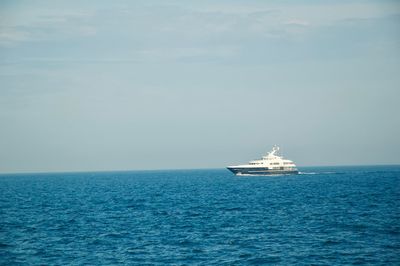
(127, 85)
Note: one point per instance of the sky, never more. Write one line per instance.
(130, 85)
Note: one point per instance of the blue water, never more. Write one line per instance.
(331, 216)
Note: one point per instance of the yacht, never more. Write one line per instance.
(270, 164)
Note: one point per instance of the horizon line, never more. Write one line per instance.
(173, 169)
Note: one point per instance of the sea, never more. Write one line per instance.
(322, 216)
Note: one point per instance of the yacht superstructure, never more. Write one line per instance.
(267, 165)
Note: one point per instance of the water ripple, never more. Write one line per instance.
(208, 217)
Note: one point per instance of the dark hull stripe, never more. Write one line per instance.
(260, 171)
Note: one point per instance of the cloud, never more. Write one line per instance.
(297, 22)
(10, 36)
(175, 33)
(44, 27)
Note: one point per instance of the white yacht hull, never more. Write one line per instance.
(270, 164)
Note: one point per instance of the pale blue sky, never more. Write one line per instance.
(119, 85)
